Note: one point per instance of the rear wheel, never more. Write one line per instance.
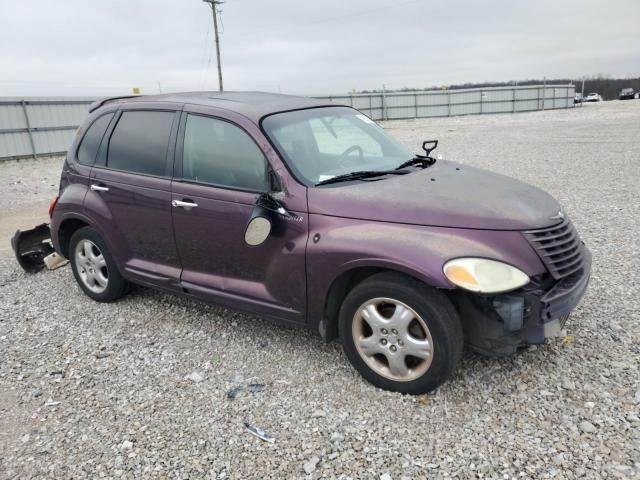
(94, 268)
(400, 334)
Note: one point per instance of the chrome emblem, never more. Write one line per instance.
(559, 216)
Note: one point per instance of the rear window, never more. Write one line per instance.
(91, 141)
(139, 142)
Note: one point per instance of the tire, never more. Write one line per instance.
(94, 268)
(424, 321)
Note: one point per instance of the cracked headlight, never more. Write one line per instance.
(483, 275)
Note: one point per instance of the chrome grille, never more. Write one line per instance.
(559, 247)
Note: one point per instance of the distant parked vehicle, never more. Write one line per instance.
(627, 94)
(578, 98)
(593, 97)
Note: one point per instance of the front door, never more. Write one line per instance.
(221, 171)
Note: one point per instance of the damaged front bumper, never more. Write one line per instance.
(34, 251)
(500, 324)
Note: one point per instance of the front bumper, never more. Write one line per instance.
(500, 324)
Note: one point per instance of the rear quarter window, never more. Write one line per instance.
(139, 142)
(88, 149)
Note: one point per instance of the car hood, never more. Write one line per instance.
(446, 194)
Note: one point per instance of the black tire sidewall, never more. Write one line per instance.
(116, 285)
(434, 308)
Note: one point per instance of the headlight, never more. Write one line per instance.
(483, 275)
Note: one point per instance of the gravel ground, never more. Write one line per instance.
(139, 388)
(26, 182)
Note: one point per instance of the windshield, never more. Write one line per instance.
(321, 143)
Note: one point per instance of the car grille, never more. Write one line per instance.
(559, 247)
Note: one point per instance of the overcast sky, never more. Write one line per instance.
(92, 47)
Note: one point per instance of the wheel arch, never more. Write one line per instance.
(66, 230)
(64, 226)
(347, 279)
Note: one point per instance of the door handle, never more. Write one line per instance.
(187, 205)
(99, 188)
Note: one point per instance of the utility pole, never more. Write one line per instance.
(213, 4)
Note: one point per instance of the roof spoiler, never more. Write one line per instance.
(96, 105)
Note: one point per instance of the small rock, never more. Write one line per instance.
(310, 465)
(546, 393)
(126, 445)
(318, 414)
(195, 377)
(589, 405)
(568, 384)
(25, 438)
(385, 476)
(336, 437)
(587, 427)
(636, 399)
(36, 393)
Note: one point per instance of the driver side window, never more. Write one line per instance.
(220, 153)
(336, 135)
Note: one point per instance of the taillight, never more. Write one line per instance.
(52, 206)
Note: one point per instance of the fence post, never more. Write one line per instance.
(448, 103)
(415, 103)
(544, 91)
(28, 123)
(384, 104)
(513, 98)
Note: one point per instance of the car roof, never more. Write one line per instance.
(253, 105)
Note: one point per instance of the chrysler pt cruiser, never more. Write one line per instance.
(310, 214)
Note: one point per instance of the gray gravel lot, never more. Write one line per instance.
(28, 181)
(138, 388)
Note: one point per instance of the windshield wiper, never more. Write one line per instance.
(361, 175)
(423, 160)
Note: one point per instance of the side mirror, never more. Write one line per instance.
(259, 227)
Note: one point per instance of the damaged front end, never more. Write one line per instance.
(34, 250)
(500, 324)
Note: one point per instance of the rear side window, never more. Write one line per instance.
(91, 141)
(220, 153)
(139, 142)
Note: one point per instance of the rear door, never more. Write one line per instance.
(221, 170)
(130, 193)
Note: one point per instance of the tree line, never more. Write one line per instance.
(608, 87)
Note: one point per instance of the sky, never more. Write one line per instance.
(107, 47)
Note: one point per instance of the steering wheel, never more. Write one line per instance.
(353, 148)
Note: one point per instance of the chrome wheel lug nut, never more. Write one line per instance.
(383, 341)
(394, 331)
(383, 331)
(401, 343)
(393, 348)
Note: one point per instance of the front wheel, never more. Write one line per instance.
(400, 334)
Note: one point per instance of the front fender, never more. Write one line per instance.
(337, 245)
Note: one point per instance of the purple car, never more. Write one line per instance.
(311, 214)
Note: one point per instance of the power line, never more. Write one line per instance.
(358, 13)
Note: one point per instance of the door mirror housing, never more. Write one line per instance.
(258, 227)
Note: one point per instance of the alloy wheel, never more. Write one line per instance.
(91, 266)
(392, 339)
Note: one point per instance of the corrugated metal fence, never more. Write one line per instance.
(444, 103)
(38, 126)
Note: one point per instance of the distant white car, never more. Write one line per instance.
(593, 97)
